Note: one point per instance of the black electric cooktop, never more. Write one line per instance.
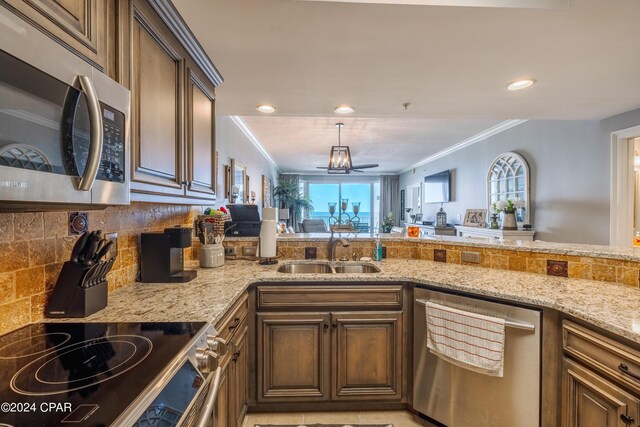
(82, 374)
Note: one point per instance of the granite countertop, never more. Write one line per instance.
(613, 307)
(574, 249)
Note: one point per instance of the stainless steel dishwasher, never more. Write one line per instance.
(458, 397)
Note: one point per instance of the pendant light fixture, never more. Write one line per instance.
(339, 157)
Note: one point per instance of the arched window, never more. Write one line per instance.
(508, 178)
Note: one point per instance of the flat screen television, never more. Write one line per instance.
(437, 187)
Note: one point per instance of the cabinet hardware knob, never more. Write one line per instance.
(625, 370)
(325, 326)
(334, 325)
(235, 324)
(235, 356)
(627, 419)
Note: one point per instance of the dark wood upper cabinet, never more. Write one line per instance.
(173, 110)
(157, 125)
(201, 135)
(82, 26)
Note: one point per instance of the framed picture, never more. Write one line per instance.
(266, 192)
(475, 218)
(418, 218)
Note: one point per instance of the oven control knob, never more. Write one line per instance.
(217, 344)
(207, 360)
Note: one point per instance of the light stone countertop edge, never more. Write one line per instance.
(537, 246)
(613, 307)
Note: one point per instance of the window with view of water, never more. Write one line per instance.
(357, 200)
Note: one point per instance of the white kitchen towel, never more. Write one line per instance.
(469, 340)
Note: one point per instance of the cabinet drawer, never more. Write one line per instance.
(364, 297)
(231, 321)
(617, 361)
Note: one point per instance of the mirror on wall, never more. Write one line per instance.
(237, 174)
(508, 178)
(413, 202)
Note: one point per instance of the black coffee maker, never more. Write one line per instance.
(162, 256)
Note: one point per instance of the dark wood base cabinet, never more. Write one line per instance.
(231, 405)
(340, 356)
(600, 382)
(329, 344)
(366, 355)
(591, 401)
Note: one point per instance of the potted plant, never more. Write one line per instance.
(388, 221)
(508, 208)
(288, 196)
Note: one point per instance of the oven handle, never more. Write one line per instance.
(95, 138)
(207, 408)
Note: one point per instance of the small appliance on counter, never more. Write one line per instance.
(245, 221)
(81, 288)
(162, 256)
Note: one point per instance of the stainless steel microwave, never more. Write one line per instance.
(64, 126)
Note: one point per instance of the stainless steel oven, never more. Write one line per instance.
(64, 126)
(111, 374)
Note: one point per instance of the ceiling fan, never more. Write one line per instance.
(340, 159)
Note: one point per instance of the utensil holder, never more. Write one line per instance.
(80, 290)
(211, 255)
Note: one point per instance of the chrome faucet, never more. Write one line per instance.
(332, 247)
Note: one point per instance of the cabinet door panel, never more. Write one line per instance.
(293, 363)
(238, 386)
(79, 25)
(157, 142)
(588, 400)
(200, 136)
(367, 355)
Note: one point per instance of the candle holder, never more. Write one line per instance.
(356, 210)
(332, 211)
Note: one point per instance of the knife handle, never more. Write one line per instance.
(78, 247)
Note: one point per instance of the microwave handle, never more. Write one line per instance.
(95, 141)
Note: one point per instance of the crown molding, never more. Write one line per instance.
(501, 127)
(237, 120)
(170, 15)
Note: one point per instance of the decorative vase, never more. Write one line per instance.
(509, 221)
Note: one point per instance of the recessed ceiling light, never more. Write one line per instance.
(344, 109)
(521, 84)
(266, 108)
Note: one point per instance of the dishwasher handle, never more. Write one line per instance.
(507, 323)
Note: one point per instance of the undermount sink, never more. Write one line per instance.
(302, 268)
(323, 268)
(356, 268)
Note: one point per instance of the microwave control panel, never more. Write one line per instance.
(113, 161)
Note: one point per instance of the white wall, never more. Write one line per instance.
(232, 143)
(569, 164)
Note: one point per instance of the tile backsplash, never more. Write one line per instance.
(33, 247)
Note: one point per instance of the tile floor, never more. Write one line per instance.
(397, 418)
